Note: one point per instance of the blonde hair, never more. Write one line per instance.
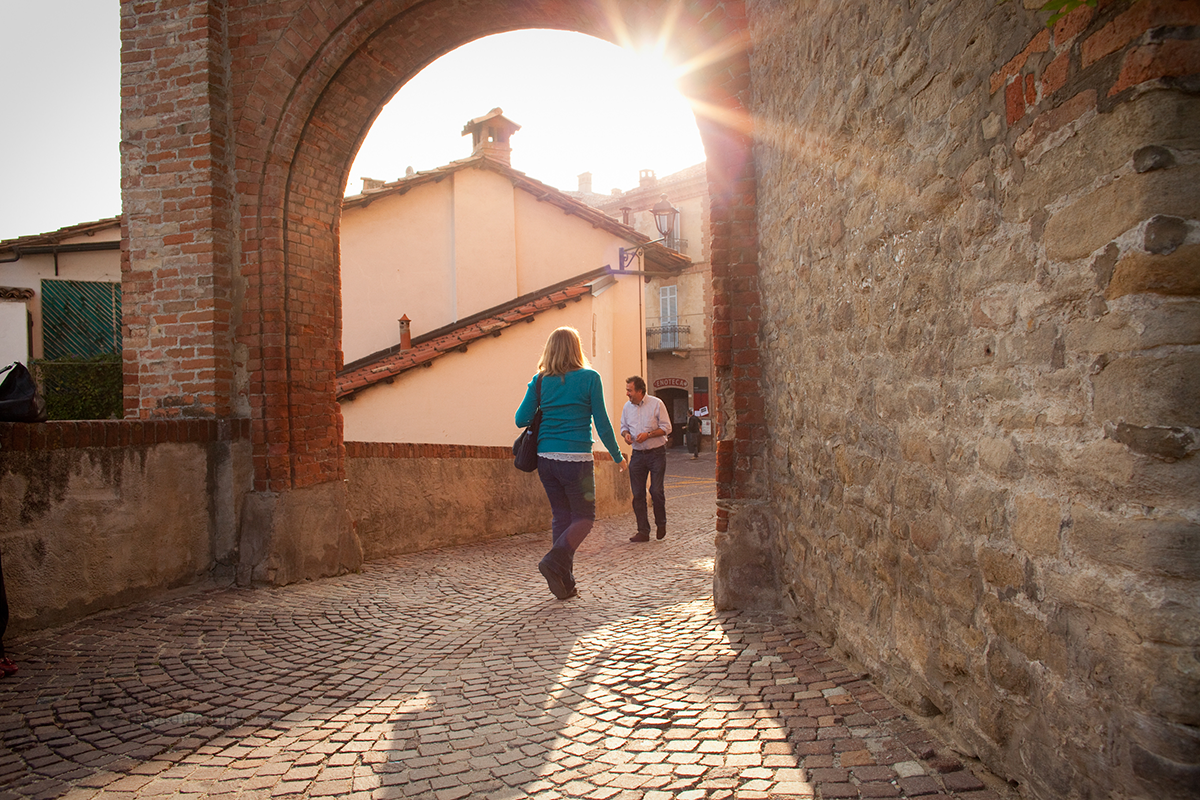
(563, 353)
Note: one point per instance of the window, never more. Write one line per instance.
(675, 241)
(668, 304)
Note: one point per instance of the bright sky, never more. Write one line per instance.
(584, 106)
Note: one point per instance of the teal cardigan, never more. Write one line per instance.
(570, 403)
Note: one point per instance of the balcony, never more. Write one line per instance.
(667, 337)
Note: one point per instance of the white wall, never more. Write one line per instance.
(14, 333)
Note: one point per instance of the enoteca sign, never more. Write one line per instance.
(669, 383)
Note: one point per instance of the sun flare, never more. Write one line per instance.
(584, 105)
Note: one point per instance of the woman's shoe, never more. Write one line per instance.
(7, 667)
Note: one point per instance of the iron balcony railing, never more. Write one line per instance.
(666, 337)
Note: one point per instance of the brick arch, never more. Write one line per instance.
(281, 96)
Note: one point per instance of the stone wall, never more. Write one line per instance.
(98, 515)
(410, 497)
(979, 269)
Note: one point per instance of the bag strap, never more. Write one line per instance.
(539, 392)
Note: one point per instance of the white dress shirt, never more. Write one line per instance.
(644, 417)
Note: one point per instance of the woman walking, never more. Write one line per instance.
(572, 397)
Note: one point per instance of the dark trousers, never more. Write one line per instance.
(571, 488)
(651, 464)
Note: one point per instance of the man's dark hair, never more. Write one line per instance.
(637, 382)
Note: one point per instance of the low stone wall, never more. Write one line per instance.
(409, 497)
(98, 515)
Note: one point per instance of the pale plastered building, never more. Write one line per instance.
(679, 355)
(453, 278)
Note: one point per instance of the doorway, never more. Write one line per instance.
(676, 401)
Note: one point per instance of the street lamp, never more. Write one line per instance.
(664, 219)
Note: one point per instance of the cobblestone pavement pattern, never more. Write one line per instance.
(455, 673)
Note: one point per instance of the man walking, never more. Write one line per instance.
(646, 425)
(693, 435)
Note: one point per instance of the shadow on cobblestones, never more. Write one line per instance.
(454, 673)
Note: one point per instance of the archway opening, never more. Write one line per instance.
(312, 109)
(429, 212)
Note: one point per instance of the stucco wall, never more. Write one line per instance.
(396, 255)
(983, 478)
(406, 498)
(97, 515)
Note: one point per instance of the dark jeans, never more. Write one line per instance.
(571, 489)
(652, 464)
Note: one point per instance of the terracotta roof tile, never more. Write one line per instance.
(385, 366)
(55, 237)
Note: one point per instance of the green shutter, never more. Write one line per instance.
(80, 319)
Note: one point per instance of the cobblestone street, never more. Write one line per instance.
(455, 673)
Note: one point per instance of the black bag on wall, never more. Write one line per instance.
(20, 400)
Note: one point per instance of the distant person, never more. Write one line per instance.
(646, 426)
(572, 399)
(7, 667)
(693, 435)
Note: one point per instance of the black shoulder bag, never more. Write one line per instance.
(20, 400)
(525, 447)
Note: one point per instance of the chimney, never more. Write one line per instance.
(490, 134)
(646, 178)
(371, 183)
(405, 334)
(585, 182)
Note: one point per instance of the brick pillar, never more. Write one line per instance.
(175, 190)
(745, 574)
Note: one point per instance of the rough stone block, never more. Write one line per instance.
(745, 574)
(1005, 264)
(1008, 669)
(957, 589)
(1001, 570)
(1059, 165)
(1023, 631)
(1169, 615)
(1147, 391)
(1136, 328)
(1099, 467)
(1096, 219)
(1035, 348)
(1176, 273)
(1000, 457)
(1168, 546)
(1170, 740)
(1165, 443)
(1036, 524)
(980, 511)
